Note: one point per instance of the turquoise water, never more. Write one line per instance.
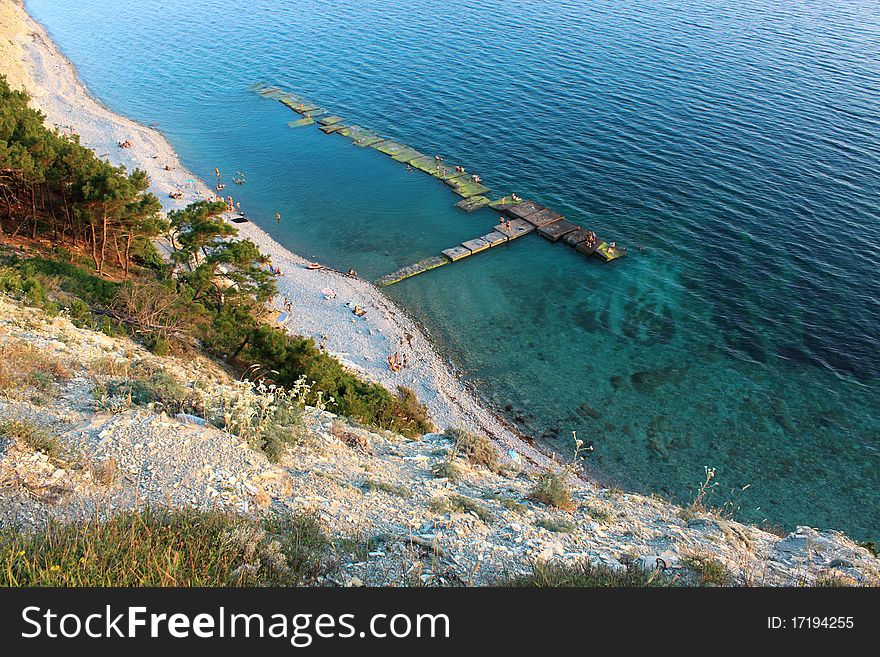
(734, 147)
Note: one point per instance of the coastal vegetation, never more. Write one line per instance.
(104, 270)
(587, 574)
(477, 449)
(51, 185)
(167, 548)
(34, 437)
(552, 485)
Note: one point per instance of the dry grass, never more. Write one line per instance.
(353, 439)
(32, 436)
(166, 548)
(24, 366)
(585, 574)
(552, 489)
(104, 473)
(460, 504)
(373, 485)
(447, 469)
(478, 450)
(711, 571)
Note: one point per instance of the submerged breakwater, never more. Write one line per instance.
(735, 148)
(522, 216)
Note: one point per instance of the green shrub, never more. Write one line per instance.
(372, 485)
(111, 327)
(284, 427)
(460, 504)
(599, 515)
(159, 346)
(556, 525)
(870, 546)
(74, 280)
(78, 309)
(287, 358)
(145, 253)
(160, 388)
(507, 502)
(226, 330)
(224, 335)
(268, 417)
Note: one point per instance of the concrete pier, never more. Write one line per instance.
(519, 217)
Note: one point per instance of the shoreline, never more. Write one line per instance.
(363, 344)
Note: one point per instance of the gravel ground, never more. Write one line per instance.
(394, 518)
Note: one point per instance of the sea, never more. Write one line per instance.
(733, 148)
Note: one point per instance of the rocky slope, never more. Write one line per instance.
(394, 513)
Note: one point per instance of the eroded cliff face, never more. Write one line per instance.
(398, 511)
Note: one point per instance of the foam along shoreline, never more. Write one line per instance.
(362, 343)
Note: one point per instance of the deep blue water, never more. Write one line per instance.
(738, 144)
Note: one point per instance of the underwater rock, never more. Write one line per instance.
(586, 410)
(658, 428)
(647, 324)
(647, 381)
(587, 318)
